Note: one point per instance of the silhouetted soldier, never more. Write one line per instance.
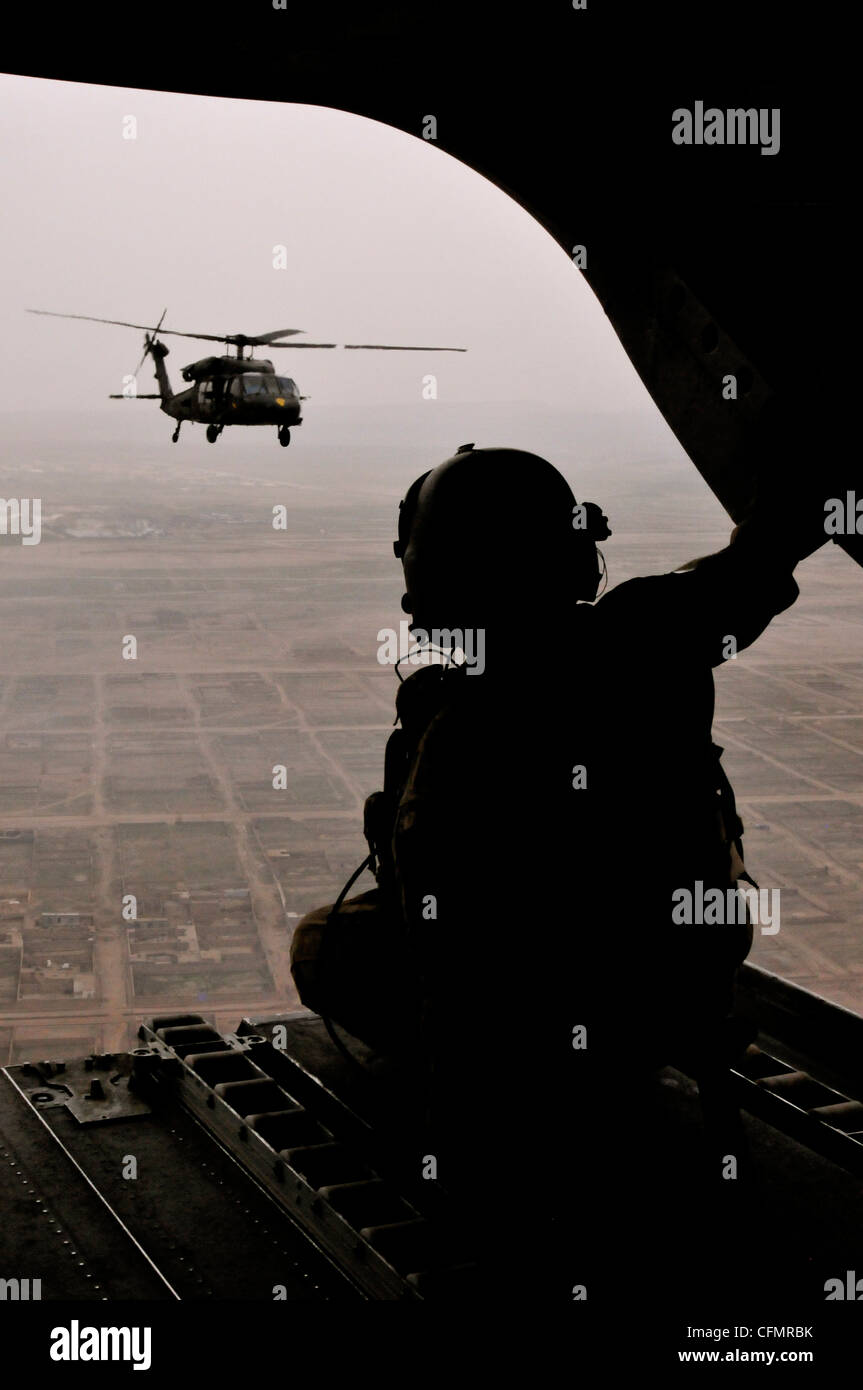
(538, 813)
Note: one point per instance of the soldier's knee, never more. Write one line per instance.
(308, 934)
(305, 955)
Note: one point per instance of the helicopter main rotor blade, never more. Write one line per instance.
(262, 339)
(240, 339)
(147, 327)
(397, 347)
(370, 347)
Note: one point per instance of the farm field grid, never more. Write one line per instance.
(153, 777)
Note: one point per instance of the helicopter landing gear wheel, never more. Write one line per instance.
(176, 435)
(213, 432)
(284, 436)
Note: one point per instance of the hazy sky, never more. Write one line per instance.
(388, 240)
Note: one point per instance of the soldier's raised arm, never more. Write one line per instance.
(725, 600)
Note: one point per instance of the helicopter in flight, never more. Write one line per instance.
(236, 389)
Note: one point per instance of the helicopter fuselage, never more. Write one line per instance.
(233, 391)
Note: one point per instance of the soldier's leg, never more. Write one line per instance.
(354, 968)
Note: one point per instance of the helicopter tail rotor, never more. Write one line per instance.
(143, 355)
(149, 342)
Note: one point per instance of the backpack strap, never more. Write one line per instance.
(420, 698)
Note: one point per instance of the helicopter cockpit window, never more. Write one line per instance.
(287, 386)
(255, 384)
